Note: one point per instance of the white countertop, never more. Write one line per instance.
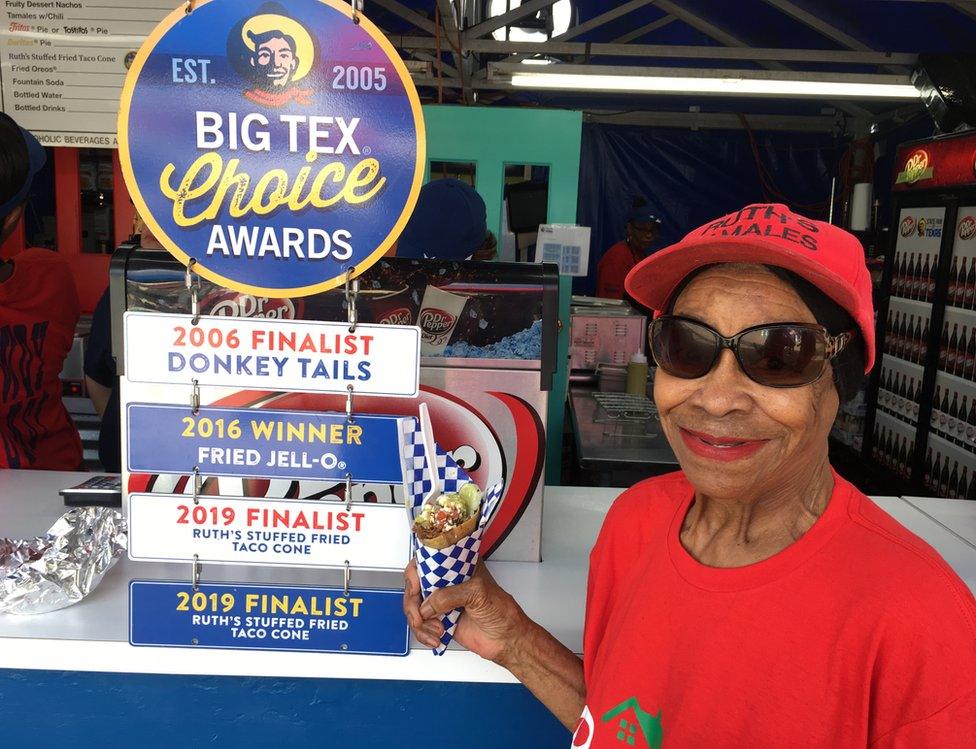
(93, 636)
(957, 515)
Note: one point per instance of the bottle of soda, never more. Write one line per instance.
(916, 400)
(953, 415)
(933, 483)
(944, 346)
(969, 297)
(960, 488)
(906, 337)
(944, 411)
(953, 480)
(959, 434)
(934, 418)
(961, 285)
(918, 344)
(971, 489)
(969, 363)
(924, 342)
(953, 348)
(953, 281)
(944, 480)
(917, 278)
(961, 353)
(933, 274)
(971, 425)
(923, 293)
(927, 476)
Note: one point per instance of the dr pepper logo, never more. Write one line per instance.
(907, 227)
(401, 316)
(916, 168)
(967, 228)
(436, 321)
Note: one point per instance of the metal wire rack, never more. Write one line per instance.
(626, 415)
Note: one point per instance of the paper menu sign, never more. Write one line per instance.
(567, 245)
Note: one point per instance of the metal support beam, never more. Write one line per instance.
(600, 20)
(529, 8)
(618, 49)
(724, 37)
(644, 30)
(407, 14)
(716, 121)
(446, 69)
(819, 25)
(449, 22)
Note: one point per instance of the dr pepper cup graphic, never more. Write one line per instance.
(438, 317)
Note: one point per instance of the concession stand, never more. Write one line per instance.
(293, 395)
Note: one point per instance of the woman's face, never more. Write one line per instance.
(733, 437)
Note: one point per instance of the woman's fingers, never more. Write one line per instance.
(411, 596)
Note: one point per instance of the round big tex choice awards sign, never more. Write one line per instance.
(276, 144)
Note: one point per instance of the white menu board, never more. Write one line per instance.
(62, 64)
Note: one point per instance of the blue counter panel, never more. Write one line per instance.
(82, 710)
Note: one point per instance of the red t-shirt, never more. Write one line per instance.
(613, 269)
(38, 314)
(858, 634)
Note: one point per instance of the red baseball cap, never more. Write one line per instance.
(769, 234)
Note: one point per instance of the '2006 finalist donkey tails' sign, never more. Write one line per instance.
(276, 144)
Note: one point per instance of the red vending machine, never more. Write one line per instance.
(921, 415)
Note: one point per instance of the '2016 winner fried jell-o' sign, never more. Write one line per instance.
(276, 144)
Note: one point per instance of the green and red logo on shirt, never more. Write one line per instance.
(632, 725)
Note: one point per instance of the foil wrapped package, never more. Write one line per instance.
(64, 565)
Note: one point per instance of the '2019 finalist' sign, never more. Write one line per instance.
(317, 357)
(264, 443)
(264, 617)
(293, 533)
(277, 144)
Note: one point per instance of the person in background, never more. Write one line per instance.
(616, 263)
(39, 310)
(449, 222)
(100, 375)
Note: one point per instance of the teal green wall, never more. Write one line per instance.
(496, 136)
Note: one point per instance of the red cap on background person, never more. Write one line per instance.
(824, 255)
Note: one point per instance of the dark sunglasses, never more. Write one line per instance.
(782, 355)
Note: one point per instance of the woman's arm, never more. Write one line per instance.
(495, 627)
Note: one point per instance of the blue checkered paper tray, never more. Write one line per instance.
(439, 568)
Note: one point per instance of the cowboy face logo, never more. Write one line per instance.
(921, 227)
(273, 52)
(907, 226)
(967, 228)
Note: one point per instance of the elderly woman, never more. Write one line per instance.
(755, 598)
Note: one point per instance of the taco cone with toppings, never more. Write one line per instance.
(449, 518)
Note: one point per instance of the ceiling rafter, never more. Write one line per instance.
(449, 22)
(724, 37)
(822, 27)
(489, 25)
(407, 14)
(645, 29)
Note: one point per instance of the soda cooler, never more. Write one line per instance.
(921, 415)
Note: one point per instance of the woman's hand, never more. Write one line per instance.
(490, 625)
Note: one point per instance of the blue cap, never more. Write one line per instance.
(642, 215)
(449, 222)
(37, 157)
